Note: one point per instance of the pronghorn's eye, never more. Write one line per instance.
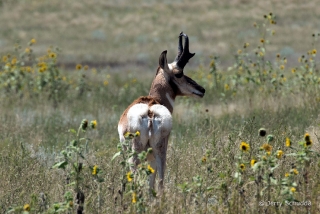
(179, 75)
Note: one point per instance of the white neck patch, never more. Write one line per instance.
(171, 101)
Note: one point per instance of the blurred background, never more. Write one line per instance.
(122, 33)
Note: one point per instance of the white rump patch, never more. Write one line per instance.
(138, 121)
(152, 128)
(162, 122)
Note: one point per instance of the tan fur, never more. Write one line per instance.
(159, 88)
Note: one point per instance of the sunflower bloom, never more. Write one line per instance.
(226, 87)
(314, 51)
(292, 189)
(128, 135)
(94, 170)
(129, 176)
(279, 154)
(52, 55)
(288, 142)
(4, 59)
(84, 124)
(242, 167)
(262, 132)
(307, 137)
(134, 198)
(287, 175)
(26, 207)
(14, 61)
(78, 66)
(137, 133)
(253, 162)
(150, 169)
(267, 147)
(43, 69)
(309, 143)
(295, 171)
(93, 124)
(28, 69)
(204, 159)
(33, 41)
(244, 147)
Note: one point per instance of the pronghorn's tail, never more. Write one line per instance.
(153, 122)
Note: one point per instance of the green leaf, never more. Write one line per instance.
(116, 155)
(72, 183)
(100, 180)
(11, 210)
(60, 165)
(210, 188)
(72, 131)
(261, 192)
(273, 181)
(74, 143)
(63, 152)
(291, 154)
(222, 175)
(273, 168)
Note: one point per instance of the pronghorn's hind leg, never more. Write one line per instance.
(152, 177)
(154, 124)
(160, 130)
(138, 121)
(160, 159)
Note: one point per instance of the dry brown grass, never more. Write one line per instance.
(122, 32)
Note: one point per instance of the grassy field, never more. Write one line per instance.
(250, 144)
(115, 32)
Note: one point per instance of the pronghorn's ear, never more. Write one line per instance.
(163, 61)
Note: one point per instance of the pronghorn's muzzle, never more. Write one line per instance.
(198, 89)
(201, 94)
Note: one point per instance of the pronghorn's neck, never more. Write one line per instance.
(163, 90)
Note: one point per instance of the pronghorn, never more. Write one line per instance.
(151, 115)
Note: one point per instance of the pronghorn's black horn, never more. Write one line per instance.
(180, 48)
(186, 55)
